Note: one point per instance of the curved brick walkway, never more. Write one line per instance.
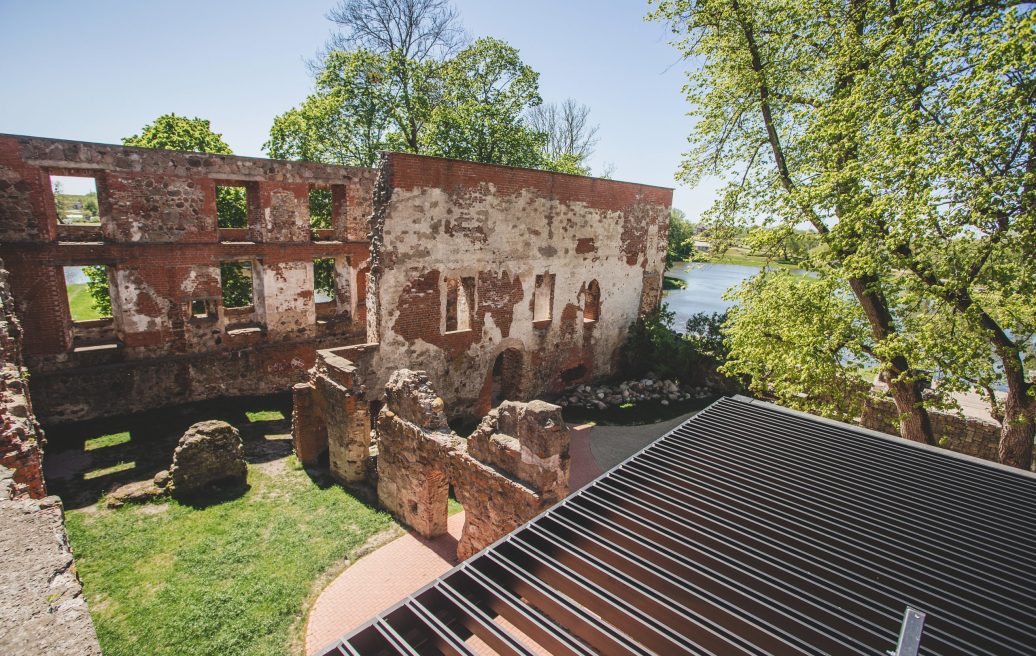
(408, 563)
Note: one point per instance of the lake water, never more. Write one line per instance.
(706, 284)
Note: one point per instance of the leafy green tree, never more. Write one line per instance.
(681, 238)
(704, 332)
(769, 92)
(413, 37)
(652, 345)
(99, 289)
(486, 91)
(172, 132)
(324, 276)
(901, 132)
(236, 280)
(570, 136)
(348, 120)
(60, 202)
(800, 339)
(90, 205)
(320, 203)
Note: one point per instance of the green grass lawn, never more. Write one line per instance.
(81, 303)
(233, 577)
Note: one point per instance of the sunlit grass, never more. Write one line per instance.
(103, 441)
(80, 303)
(229, 578)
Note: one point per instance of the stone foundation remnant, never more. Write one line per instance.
(513, 467)
(209, 453)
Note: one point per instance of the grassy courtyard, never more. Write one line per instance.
(232, 576)
(80, 303)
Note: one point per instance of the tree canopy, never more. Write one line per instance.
(403, 76)
(902, 133)
(172, 132)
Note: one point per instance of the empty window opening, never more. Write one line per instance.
(573, 374)
(231, 206)
(460, 301)
(543, 298)
(203, 309)
(592, 302)
(507, 376)
(325, 289)
(75, 199)
(236, 282)
(89, 292)
(320, 208)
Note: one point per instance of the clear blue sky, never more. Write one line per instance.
(101, 70)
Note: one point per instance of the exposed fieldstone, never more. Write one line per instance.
(136, 492)
(209, 452)
(631, 391)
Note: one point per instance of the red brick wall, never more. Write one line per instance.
(159, 236)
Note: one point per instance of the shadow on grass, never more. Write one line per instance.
(85, 460)
(216, 495)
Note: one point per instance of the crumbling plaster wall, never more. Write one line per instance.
(436, 219)
(160, 239)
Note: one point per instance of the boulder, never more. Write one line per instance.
(209, 452)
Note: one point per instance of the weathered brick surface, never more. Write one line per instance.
(42, 609)
(159, 236)
(515, 465)
(436, 220)
(21, 437)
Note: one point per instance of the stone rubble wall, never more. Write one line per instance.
(513, 467)
(967, 435)
(21, 438)
(42, 608)
(158, 235)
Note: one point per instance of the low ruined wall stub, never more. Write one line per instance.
(42, 607)
(501, 479)
(440, 219)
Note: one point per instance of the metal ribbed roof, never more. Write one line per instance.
(749, 529)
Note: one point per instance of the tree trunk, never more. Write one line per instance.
(1019, 429)
(914, 423)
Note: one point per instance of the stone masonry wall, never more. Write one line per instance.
(458, 249)
(42, 609)
(967, 435)
(514, 467)
(159, 238)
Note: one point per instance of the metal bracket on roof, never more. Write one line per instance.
(909, 633)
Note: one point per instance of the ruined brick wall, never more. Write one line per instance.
(42, 608)
(477, 267)
(512, 468)
(21, 469)
(160, 239)
(967, 435)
